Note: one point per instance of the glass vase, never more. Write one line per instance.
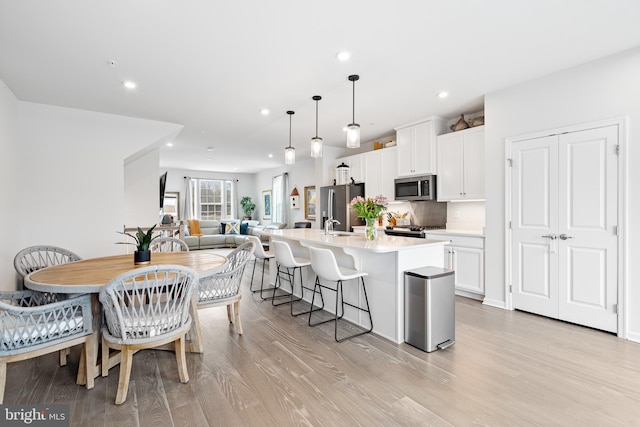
(370, 231)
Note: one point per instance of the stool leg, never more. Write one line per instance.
(291, 279)
(264, 261)
(368, 310)
(302, 288)
(255, 260)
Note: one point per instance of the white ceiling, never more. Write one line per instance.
(212, 65)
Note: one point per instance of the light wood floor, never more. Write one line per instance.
(506, 369)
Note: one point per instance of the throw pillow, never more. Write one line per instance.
(194, 227)
(232, 228)
(244, 228)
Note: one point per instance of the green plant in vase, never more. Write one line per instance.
(143, 240)
(369, 209)
(247, 206)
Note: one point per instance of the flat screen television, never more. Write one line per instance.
(163, 185)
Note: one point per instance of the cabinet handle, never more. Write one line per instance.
(565, 237)
(551, 236)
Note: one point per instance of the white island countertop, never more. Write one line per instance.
(342, 239)
(385, 259)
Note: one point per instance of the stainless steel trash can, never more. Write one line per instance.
(429, 308)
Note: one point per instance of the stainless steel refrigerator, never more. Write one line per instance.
(334, 203)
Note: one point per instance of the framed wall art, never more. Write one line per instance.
(310, 202)
(266, 204)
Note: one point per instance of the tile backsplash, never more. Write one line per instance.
(465, 215)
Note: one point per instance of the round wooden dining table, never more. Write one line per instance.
(91, 275)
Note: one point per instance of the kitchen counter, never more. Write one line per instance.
(384, 259)
(341, 239)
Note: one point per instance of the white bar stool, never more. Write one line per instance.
(287, 266)
(259, 254)
(324, 263)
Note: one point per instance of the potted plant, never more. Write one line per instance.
(142, 242)
(247, 206)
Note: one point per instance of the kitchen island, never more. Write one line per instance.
(385, 259)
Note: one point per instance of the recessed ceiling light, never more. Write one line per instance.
(443, 94)
(208, 158)
(270, 155)
(169, 144)
(129, 84)
(343, 56)
(264, 112)
(202, 131)
(210, 148)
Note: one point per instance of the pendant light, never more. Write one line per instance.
(316, 141)
(353, 129)
(290, 152)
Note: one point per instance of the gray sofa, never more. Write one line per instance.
(213, 236)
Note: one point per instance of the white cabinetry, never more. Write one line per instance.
(380, 171)
(461, 165)
(465, 255)
(377, 169)
(417, 146)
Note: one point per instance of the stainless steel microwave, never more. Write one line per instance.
(421, 187)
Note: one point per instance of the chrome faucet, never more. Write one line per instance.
(328, 225)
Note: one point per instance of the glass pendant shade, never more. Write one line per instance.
(316, 141)
(353, 129)
(353, 135)
(316, 147)
(289, 156)
(290, 152)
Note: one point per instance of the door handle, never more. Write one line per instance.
(565, 237)
(551, 236)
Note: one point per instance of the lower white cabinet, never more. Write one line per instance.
(465, 255)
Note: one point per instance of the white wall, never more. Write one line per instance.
(142, 191)
(71, 175)
(10, 166)
(604, 89)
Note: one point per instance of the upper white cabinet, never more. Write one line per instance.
(417, 147)
(461, 165)
(377, 169)
(380, 171)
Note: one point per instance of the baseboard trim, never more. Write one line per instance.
(495, 303)
(633, 336)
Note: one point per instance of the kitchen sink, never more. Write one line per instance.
(340, 233)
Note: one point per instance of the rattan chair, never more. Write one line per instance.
(34, 258)
(168, 244)
(223, 288)
(34, 324)
(146, 308)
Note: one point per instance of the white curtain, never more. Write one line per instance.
(279, 209)
(188, 199)
(234, 199)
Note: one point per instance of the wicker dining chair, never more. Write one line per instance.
(223, 287)
(168, 244)
(34, 324)
(34, 258)
(146, 308)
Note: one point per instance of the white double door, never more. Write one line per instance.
(564, 211)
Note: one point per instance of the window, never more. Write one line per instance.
(212, 199)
